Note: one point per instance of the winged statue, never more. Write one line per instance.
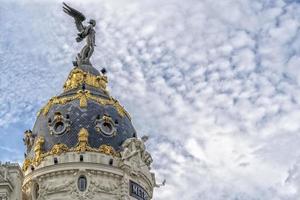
(85, 31)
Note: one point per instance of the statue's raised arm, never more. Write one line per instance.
(87, 32)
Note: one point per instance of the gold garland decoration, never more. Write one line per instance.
(58, 149)
(77, 77)
(84, 96)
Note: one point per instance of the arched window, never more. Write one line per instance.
(82, 183)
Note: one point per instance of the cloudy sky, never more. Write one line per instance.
(215, 84)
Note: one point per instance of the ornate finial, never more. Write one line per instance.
(87, 32)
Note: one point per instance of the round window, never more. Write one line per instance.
(59, 128)
(107, 128)
(60, 124)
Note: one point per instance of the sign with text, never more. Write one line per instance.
(137, 191)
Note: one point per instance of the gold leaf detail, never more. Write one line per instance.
(26, 164)
(38, 150)
(58, 149)
(82, 145)
(83, 96)
(77, 77)
(108, 150)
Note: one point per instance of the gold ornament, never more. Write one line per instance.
(108, 150)
(58, 149)
(83, 96)
(83, 138)
(57, 100)
(38, 150)
(77, 77)
(26, 164)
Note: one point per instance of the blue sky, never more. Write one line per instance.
(215, 84)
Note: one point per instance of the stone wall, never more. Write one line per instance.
(11, 179)
(90, 176)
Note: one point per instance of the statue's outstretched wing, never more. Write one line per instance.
(78, 16)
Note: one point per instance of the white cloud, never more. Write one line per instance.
(215, 83)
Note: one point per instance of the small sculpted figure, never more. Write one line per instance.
(28, 139)
(133, 147)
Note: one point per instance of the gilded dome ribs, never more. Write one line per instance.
(83, 96)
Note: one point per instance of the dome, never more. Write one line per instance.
(85, 105)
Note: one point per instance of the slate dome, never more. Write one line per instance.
(84, 104)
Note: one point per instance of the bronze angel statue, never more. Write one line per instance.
(87, 32)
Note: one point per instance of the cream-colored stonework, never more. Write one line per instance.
(108, 177)
(11, 178)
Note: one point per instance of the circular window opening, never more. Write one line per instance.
(107, 128)
(82, 183)
(59, 128)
